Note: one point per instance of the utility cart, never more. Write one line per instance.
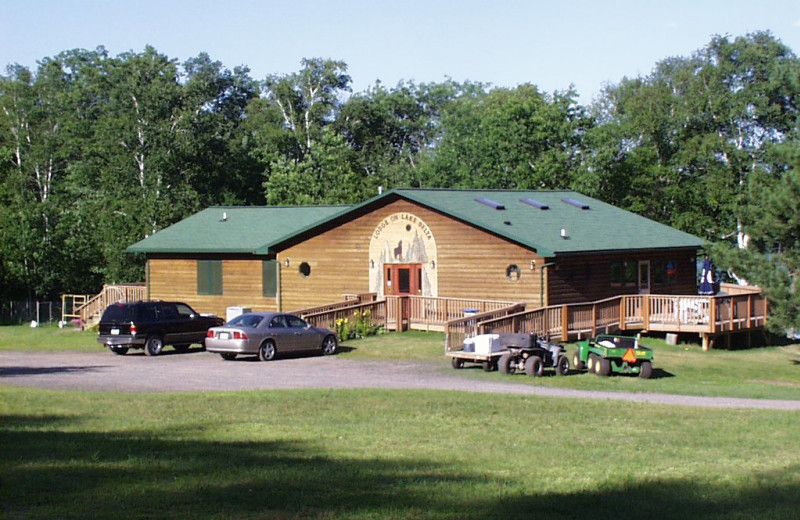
(618, 354)
(483, 349)
(510, 352)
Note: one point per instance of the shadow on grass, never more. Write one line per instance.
(53, 474)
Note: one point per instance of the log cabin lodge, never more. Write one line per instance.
(538, 248)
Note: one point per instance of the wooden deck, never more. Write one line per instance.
(736, 309)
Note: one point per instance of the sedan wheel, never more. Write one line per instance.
(154, 346)
(267, 351)
(329, 345)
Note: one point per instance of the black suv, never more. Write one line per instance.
(151, 325)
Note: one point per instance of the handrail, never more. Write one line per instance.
(110, 294)
(707, 315)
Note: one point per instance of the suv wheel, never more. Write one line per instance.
(154, 346)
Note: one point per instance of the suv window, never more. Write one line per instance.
(147, 312)
(168, 311)
(184, 310)
(118, 312)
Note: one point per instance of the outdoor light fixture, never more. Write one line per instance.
(433, 264)
(533, 265)
(372, 264)
(286, 262)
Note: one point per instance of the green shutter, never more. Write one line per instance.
(209, 277)
(269, 278)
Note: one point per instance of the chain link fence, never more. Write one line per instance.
(15, 312)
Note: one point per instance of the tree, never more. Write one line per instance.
(508, 139)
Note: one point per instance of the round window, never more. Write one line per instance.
(513, 272)
(305, 269)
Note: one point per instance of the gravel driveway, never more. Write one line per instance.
(200, 371)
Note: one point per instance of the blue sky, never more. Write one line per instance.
(502, 42)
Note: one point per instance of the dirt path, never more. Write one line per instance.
(199, 371)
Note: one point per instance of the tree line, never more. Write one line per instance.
(99, 151)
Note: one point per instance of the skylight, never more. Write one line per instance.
(534, 203)
(573, 202)
(489, 202)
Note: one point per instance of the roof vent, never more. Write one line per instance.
(578, 204)
(224, 216)
(490, 203)
(534, 203)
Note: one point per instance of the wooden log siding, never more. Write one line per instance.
(471, 264)
(582, 278)
(176, 279)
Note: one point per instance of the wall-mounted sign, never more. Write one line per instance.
(403, 239)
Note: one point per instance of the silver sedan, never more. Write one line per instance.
(265, 334)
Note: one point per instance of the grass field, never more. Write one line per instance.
(375, 454)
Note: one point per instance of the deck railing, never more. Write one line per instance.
(373, 312)
(432, 313)
(91, 307)
(349, 301)
(733, 310)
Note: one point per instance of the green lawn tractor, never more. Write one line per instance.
(618, 354)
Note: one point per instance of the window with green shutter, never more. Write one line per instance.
(209, 277)
(269, 278)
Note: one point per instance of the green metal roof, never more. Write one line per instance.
(233, 229)
(597, 227)
(531, 218)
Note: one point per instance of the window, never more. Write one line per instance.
(665, 272)
(295, 322)
(209, 277)
(269, 278)
(513, 272)
(624, 272)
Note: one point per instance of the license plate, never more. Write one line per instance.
(224, 335)
(115, 332)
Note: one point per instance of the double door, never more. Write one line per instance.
(402, 279)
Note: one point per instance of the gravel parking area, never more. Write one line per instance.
(198, 371)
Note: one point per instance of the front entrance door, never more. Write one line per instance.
(403, 279)
(644, 277)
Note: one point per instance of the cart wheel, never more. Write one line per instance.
(488, 366)
(457, 363)
(591, 362)
(646, 370)
(602, 366)
(562, 366)
(507, 364)
(534, 366)
(577, 363)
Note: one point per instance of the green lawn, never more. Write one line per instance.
(369, 454)
(380, 454)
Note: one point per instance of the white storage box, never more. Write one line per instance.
(232, 312)
(485, 344)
